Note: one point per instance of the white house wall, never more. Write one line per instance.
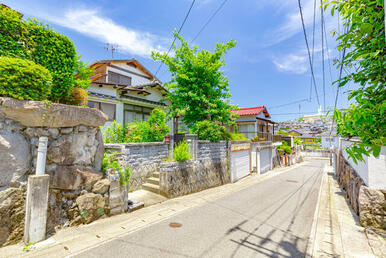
(135, 79)
(106, 90)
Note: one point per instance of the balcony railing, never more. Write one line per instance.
(262, 136)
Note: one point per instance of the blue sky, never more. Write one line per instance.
(269, 66)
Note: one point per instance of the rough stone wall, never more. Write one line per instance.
(369, 204)
(211, 150)
(74, 158)
(143, 158)
(180, 178)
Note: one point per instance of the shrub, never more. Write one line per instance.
(78, 97)
(181, 152)
(287, 149)
(153, 130)
(237, 137)
(23, 79)
(109, 162)
(115, 133)
(207, 130)
(37, 42)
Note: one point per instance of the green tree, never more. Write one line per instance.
(364, 44)
(198, 89)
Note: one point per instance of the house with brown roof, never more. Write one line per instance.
(125, 90)
(255, 121)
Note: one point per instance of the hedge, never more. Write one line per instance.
(36, 41)
(23, 79)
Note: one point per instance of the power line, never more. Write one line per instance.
(308, 50)
(209, 20)
(322, 30)
(313, 45)
(179, 30)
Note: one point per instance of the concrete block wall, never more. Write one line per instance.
(144, 159)
(211, 150)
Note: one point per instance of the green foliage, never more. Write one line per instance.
(301, 119)
(284, 146)
(364, 43)
(282, 132)
(125, 175)
(23, 79)
(36, 41)
(115, 133)
(208, 130)
(27, 246)
(297, 141)
(198, 89)
(181, 152)
(82, 74)
(110, 162)
(319, 140)
(237, 137)
(153, 130)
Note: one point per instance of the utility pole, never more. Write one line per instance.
(111, 47)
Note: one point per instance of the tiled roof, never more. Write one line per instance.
(248, 111)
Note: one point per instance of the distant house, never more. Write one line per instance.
(255, 121)
(306, 137)
(125, 90)
(294, 133)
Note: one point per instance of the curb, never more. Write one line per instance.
(311, 239)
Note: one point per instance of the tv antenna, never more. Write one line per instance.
(111, 47)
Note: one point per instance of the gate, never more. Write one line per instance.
(240, 161)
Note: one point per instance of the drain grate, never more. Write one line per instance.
(291, 181)
(175, 225)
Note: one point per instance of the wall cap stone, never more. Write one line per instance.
(39, 114)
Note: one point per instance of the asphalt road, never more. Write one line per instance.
(272, 218)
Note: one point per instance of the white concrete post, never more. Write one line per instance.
(258, 162)
(292, 141)
(36, 208)
(42, 152)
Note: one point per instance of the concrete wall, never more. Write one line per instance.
(372, 170)
(180, 178)
(315, 153)
(144, 159)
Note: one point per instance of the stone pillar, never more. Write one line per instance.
(191, 139)
(118, 195)
(171, 146)
(36, 208)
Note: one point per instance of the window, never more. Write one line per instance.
(134, 113)
(107, 108)
(118, 78)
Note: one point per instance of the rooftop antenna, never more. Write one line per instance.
(113, 48)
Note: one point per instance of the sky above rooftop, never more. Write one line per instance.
(269, 65)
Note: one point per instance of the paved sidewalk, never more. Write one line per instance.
(338, 232)
(75, 239)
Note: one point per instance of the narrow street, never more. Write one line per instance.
(270, 219)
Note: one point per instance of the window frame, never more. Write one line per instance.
(135, 109)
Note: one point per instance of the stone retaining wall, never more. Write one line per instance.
(74, 158)
(369, 204)
(144, 158)
(180, 178)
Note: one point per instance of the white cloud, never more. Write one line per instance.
(92, 24)
(291, 63)
(292, 22)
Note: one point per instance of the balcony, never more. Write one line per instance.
(262, 136)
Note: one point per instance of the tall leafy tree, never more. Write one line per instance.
(198, 88)
(363, 42)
